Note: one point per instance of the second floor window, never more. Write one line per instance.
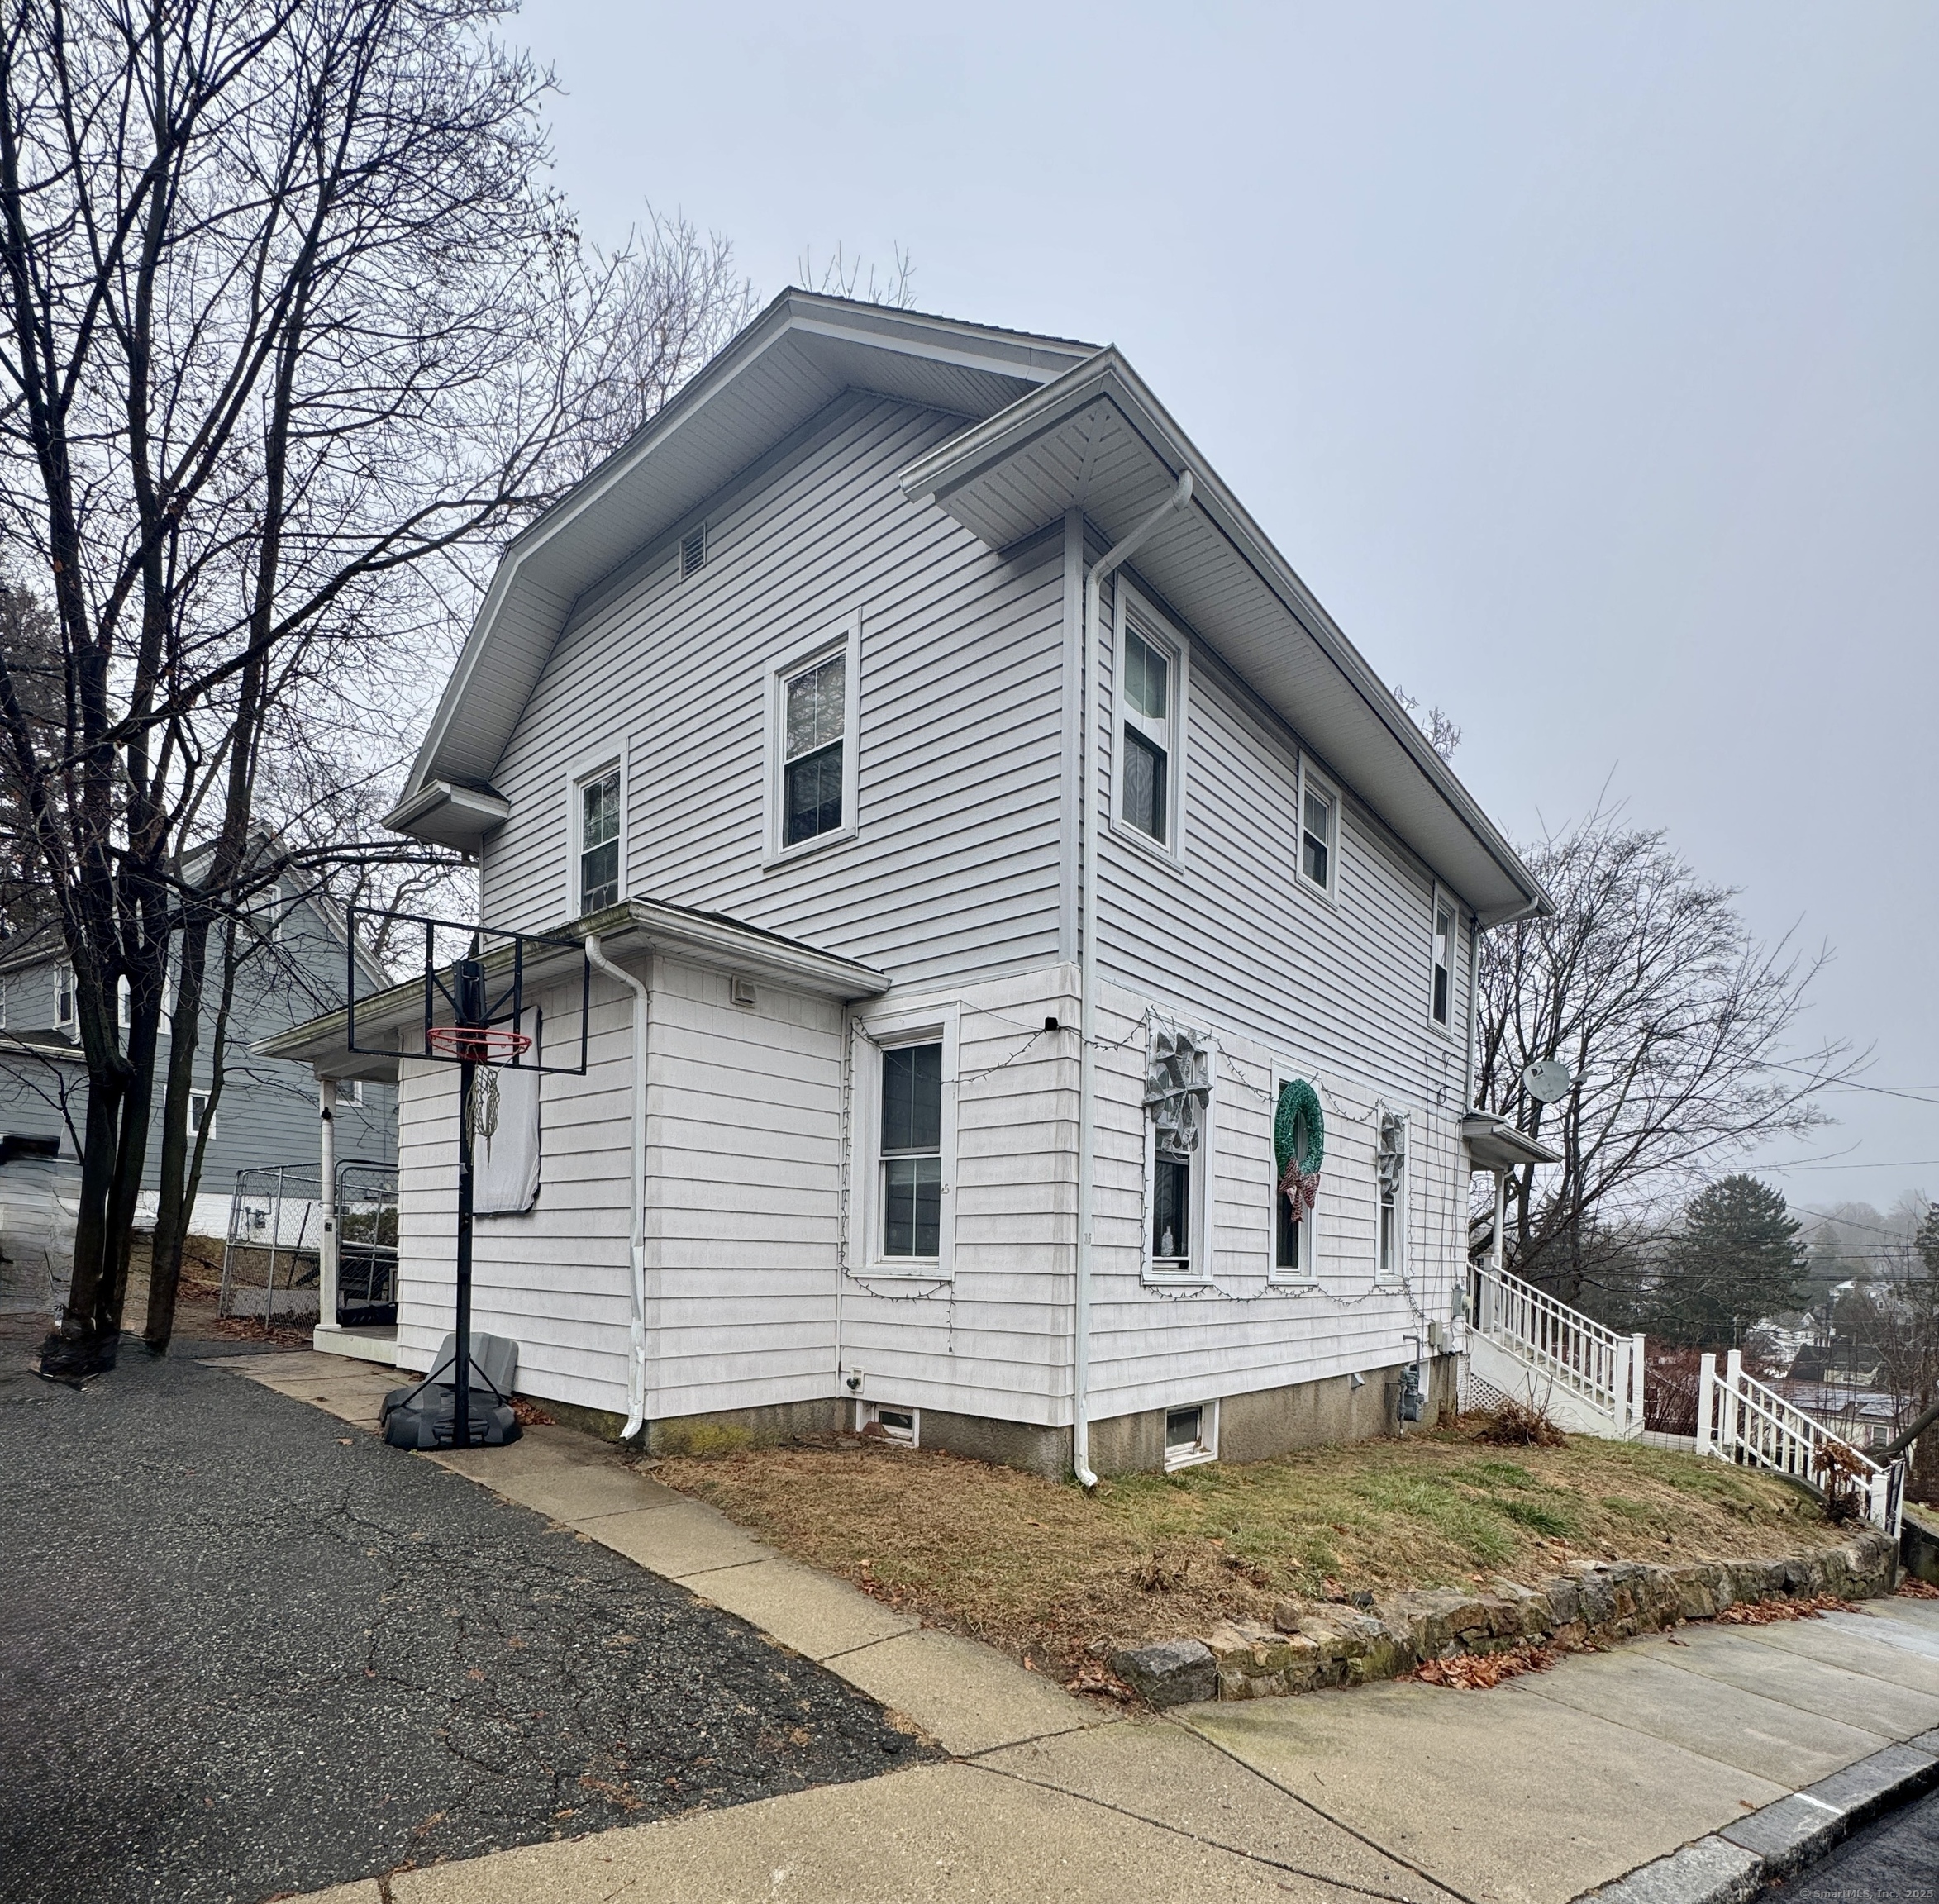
(1441, 1000)
(1319, 816)
(599, 841)
(1146, 801)
(912, 1151)
(814, 715)
(65, 1012)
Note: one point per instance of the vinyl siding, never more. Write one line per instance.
(955, 867)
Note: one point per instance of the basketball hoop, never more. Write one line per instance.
(477, 1043)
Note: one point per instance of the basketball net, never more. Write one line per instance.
(481, 1114)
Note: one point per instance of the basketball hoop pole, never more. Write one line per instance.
(471, 1010)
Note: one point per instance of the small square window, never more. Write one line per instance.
(902, 1425)
(349, 1092)
(198, 1113)
(599, 816)
(1191, 1434)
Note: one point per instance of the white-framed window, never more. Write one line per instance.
(198, 1113)
(1178, 1198)
(349, 1092)
(1319, 831)
(1442, 962)
(66, 1008)
(1149, 744)
(903, 1425)
(1294, 1246)
(3, 1004)
(814, 704)
(1390, 1170)
(1191, 1436)
(124, 1004)
(598, 828)
(902, 1189)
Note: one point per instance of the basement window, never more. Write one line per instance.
(1191, 1436)
(902, 1425)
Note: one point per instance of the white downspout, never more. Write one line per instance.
(1086, 982)
(637, 1231)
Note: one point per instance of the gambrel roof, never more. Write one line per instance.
(1050, 425)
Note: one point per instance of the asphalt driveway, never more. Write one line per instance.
(246, 1650)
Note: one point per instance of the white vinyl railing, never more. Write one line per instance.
(1741, 1419)
(1573, 1350)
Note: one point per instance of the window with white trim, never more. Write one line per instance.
(596, 803)
(1390, 1180)
(1319, 830)
(902, 1200)
(1191, 1436)
(66, 1014)
(3, 1004)
(124, 1000)
(1295, 1245)
(911, 1195)
(1178, 1149)
(1147, 699)
(814, 702)
(349, 1092)
(1441, 986)
(198, 1113)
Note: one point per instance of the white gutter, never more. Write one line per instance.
(1087, 983)
(636, 1233)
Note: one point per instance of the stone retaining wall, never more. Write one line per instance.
(1309, 1646)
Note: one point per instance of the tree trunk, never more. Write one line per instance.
(175, 1199)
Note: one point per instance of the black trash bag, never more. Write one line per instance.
(422, 1414)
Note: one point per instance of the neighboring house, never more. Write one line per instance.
(293, 965)
(784, 704)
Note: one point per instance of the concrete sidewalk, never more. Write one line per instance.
(1535, 1793)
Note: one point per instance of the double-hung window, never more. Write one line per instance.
(1319, 830)
(66, 1014)
(597, 800)
(1294, 1257)
(911, 1194)
(814, 734)
(814, 702)
(198, 1113)
(1178, 1149)
(1151, 699)
(1441, 995)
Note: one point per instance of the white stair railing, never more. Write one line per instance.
(1739, 1419)
(1573, 1350)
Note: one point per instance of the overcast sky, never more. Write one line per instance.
(1582, 358)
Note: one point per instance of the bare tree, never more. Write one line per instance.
(293, 335)
(1675, 1024)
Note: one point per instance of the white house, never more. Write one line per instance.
(963, 1041)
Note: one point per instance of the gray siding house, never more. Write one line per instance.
(1007, 868)
(294, 967)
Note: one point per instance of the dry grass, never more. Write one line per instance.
(1037, 1568)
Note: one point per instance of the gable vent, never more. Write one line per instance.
(692, 551)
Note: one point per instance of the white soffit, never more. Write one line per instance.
(1096, 440)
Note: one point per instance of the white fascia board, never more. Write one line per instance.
(447, 815)
(1107, 378)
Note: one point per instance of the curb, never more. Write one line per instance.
(1733, 1865)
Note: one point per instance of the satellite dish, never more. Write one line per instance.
(1547, 1081)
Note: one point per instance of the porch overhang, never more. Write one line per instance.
(445, 814)
(1494, 1144)
(1097, 440)
(632, 929)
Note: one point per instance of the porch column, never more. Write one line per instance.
(1707, 1406)
(327, 1254)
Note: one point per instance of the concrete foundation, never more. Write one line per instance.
(1251, 1427)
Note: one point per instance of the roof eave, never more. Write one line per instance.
(1107, 377)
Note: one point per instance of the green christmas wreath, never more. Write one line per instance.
(1299, 1143)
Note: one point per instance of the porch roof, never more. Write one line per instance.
(632, 928)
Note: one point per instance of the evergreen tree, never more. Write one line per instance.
(1737, 1260)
